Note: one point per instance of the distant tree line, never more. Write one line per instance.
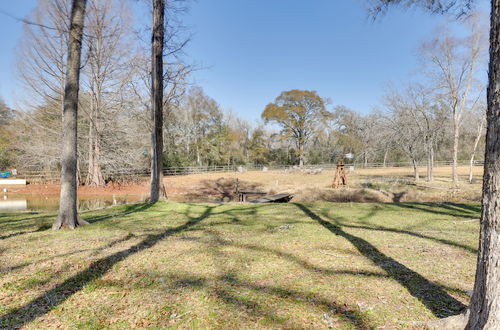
(439, 115)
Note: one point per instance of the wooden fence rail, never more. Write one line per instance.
(133, 175)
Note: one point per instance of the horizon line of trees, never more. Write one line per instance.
(438, 116)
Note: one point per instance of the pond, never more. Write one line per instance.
(50, 203)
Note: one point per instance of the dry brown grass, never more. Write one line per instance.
(365, 185)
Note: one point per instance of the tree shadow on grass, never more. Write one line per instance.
(40, 228)
(229, 288)
(132, 208)
(226, 295)
(20, 222)
(8, 215)
(407, 232)
(95, 251)
(450, 209)
(438, 301)
(50, 299)
(462, 207)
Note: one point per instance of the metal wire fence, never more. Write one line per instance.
(140, 175)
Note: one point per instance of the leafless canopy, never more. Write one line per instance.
(456, 7)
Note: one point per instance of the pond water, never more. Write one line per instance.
(50, 203)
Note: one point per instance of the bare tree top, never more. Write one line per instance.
(455, 7)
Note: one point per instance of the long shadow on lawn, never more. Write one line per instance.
(95, 251)
(40, 228)
(410, 233)
(463, 207)
(230, 291)
(132, 208)
(438, 301)
(56, 296)
(372, 212)
(451, 209)
(228, 297)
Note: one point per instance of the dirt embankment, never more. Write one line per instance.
(370, 185)
(54, 189)
(220, 189)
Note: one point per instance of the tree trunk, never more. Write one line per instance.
(485, 302)
(95, 177)
(385, 157)
(90, 162)
(157, 40)
(301, 155)
(94, 172)
(454, 166)
(476, 142)
(430, 161)
(415, 170)
(68, 216)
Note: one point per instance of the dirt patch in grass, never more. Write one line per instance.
(221, 189)
(185, 265)
(389, 183)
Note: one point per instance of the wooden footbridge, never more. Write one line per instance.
(277, 198)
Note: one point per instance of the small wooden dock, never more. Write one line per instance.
(243, 194)
(278, 198)
(11, 182)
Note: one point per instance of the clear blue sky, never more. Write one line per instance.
(254, 49)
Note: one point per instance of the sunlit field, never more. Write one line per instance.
(297, 265)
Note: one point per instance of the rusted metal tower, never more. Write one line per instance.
(340, 178)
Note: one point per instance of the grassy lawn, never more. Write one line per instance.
(182, 265)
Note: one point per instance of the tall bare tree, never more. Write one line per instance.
(106, 74)
(476, 121)
(41, 66)
(454, 63)
(68, 212)
(416, 106)
(157, 43)
(408, 134)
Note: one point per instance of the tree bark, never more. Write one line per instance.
(430, 161)
(385, 157)
(68, 213)
(415, 170)
(454, 166)
(94, 172)
(157, 40)
(476, 142)
(301, 155)
(485, 302)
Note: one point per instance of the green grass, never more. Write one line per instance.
(180, 265)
